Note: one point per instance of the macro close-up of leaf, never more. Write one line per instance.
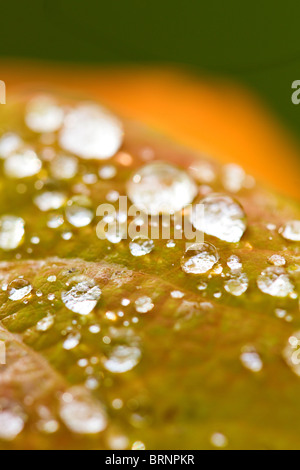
(113, 343)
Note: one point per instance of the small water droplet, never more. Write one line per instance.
(234, 263)
(22, 164)
(50, 200)
(251, 360)
(122, 359)
(237, 284)
(219, 440)
(71, 341)
(199, 258)
(161, 188)
(91, 132)
(43, 114)
(275, 281)
(107, 172)
(64, 167)
(291, 353)
(12, 231)
(141, 246)
(81, 413)
(46, 323)
(79, 211)
(19, 289)
(223, 218)
(11, 424)
(9, 143)
(177, 294)
(144, 304)
(138, 445)
(291, 230)
(83, 295)
(277, 260)
(233, 177)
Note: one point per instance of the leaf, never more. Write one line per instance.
(157, 360)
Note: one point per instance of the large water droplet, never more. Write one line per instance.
(161, 188)
(291, 230)
(79, 211)
(22, 164)
(140, 246)
(83, 295)
(43, 114)
(12, 230)
(81, 413)
(223, 218)
(91, 132)
(122, 359)
(199, 258)
(19, 289)
(275, 281)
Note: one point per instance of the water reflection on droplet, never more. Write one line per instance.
(161, 188)
(223, 218)
(22, 164)
(83, 295)
(199, 258)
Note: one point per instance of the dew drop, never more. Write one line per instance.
(71, 341)
(203, 172)
(64, 167)
(199, 258)
(83, 295)
(251, 360)
(233, 177)
(291, 353)
(43, 115)
(9, 143)
(219, 440)
(275, 281)
(19, 289)
(144, 304)
(107, 172)
(277, 260)
(50, 200)
(234, 263)
(79, 211)
(122, 359)
(11, 424)
(22, 164)
(237, 284)
(45, 324)
(291, 230)
(223, 218)
(161, 188)
(81, 413)
(12, 231)
(91, 132)
(141, 246)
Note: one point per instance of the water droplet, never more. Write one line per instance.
(71, 341)
(237, 284)
(291, 230)
(91, 132)
(83, 295)
(233, 177)
(19, 289)
(141, 246)
(11, 424)
(12, 231)
(22, 164)
(122, 359)
(9, 143)
(223, 218)
(234, 263)
(219, 440)
(107, 172)
(138, 445)
(50, 200)
(199, 258)
(79, 211)
(144, 304)
(177, 294)
(55, 221)
(51, 279)
(81, 413)
(275, 281)
(203, 172)
(43, 115)
(45, 324)
(277, 260)
(251, 360)
(161, 188)
(64, 167)
(291, 353)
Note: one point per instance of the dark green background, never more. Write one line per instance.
(258, 44)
